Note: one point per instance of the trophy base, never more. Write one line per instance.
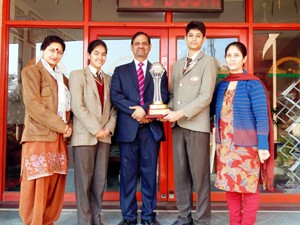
(158, 105)
(157, 111)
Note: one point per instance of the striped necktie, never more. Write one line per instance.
(188, 62)
(98, 74)
(141, 80)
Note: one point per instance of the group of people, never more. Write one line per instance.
(103, 106)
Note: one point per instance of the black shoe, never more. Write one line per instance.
(150, 222)
(127, 222)
(179, 223)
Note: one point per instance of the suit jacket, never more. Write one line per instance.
(40, 96)
(88, 116)
(192, 91)
(125, 93)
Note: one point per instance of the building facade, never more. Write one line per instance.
(269, 28)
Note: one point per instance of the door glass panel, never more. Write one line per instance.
(286, 87)
(119, 53)
(276, 11)
(24, 50)
(46, 10)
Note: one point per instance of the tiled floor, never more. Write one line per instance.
(10, 216)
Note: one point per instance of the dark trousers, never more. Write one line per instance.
(90, 171)
(191, 167)
(139, 156)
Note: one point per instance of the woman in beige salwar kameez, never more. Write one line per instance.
(47, 125)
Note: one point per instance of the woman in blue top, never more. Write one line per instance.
(243, 133)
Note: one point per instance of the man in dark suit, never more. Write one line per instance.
(132, 91)
(192, 87)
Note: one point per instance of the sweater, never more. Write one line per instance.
(250, 113)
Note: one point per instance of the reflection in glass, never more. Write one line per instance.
(106, 11)
(119, 52)
(269, 11)
(15, 109)
(46, 10)
(287, 111)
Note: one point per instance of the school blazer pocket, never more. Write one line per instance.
(194, 80)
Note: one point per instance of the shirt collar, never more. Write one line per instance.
(137, 63)
(94, 70)
(195, 55)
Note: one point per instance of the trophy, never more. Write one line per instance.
(158, 108)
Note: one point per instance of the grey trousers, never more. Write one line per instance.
(90, 172)
(191, 168)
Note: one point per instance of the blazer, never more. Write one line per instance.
(88, 116)
(192, 91)
(40, 98)
(125, 93)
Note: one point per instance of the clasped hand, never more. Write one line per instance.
(67, 132)
(102, 133)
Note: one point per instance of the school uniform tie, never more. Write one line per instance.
(141, 80)
(99, 77)
(188, 62)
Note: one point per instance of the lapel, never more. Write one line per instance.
(90, 79)
(194, 63)
(181, 64)
(106, 87)
(133, 75)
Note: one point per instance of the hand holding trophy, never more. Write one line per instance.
(158, 108)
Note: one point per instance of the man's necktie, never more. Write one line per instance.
(99, 77)
(141, 80)
(188, 62)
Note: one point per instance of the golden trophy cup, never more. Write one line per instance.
(158, 108)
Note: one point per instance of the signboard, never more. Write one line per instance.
(171, 5)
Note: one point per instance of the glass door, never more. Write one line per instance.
(119, 52)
